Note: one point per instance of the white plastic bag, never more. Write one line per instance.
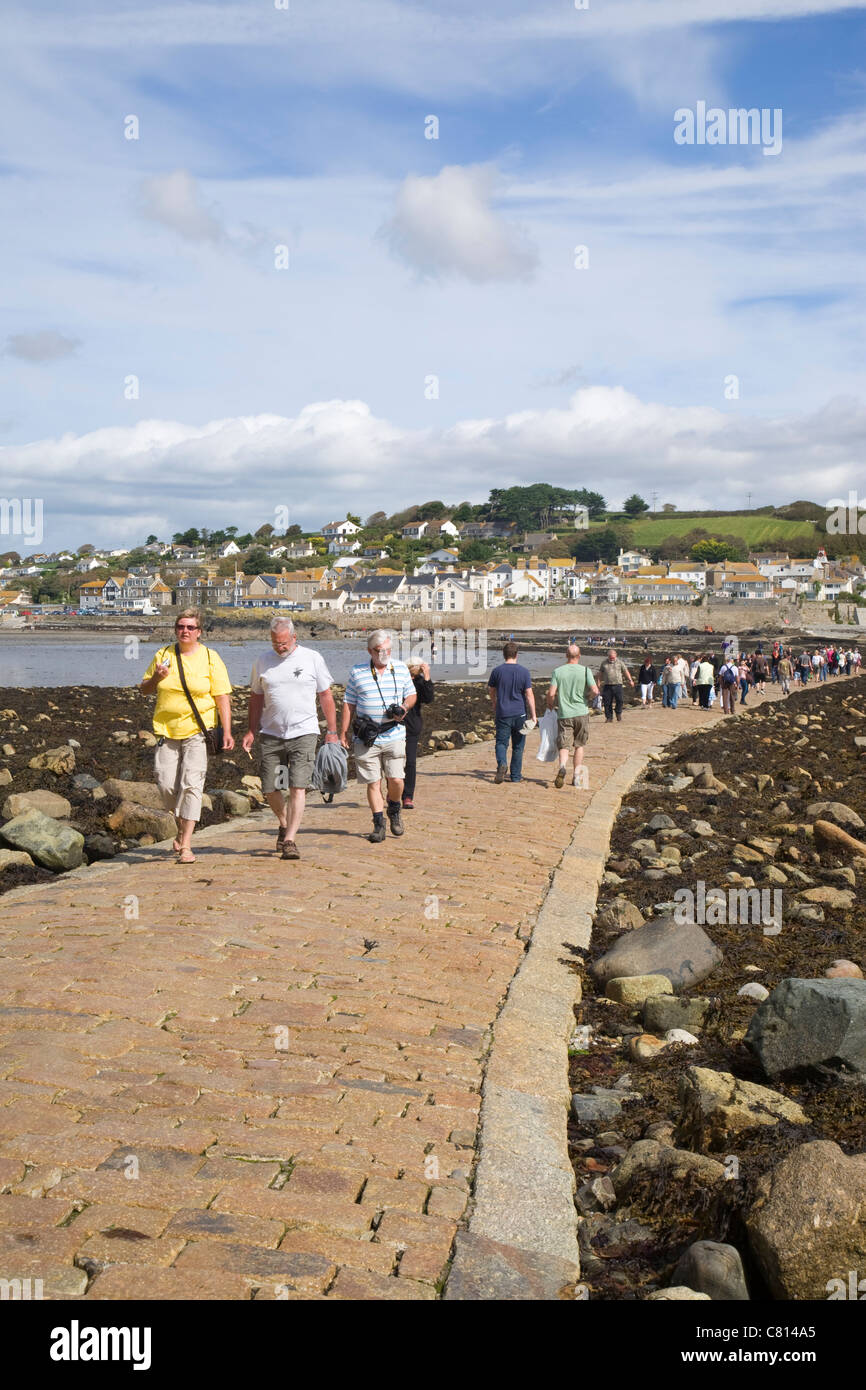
(548, 727)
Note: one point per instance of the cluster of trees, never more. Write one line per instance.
(539, 505)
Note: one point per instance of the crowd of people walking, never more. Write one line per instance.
(381, 718)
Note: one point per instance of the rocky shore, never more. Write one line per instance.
(718, 1064)
(76, 772)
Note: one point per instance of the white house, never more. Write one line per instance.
(692, 571)
(334, 529)
(230, 548)
(343, 545)
(630, 561)
(447, 528)
(415, 530)
(452, 595)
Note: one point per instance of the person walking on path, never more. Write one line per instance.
(682, 666)
(729, 678)
(646, 679)
(284, 685)
(759, 671)
(704, 680)
(569, 686)
(513, 700)
(743, 677)
(420, 673)
(670, 684)
(611, 674)
(693, 674)
(379, 691)
(181, 718)
(786, 673)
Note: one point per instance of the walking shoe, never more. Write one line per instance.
(559, 779)
(500, 773)
(408, 803)
(395, 820)
(378, 834)
(281, 836)
(290, 850)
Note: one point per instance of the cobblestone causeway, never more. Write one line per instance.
(253, 1078)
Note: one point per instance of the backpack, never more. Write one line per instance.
(729, 675)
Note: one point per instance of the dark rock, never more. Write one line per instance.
(809, 1022)
(712, 1268)
(682, 952)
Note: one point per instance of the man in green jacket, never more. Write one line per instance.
(570, 685)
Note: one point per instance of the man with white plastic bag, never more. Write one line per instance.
(548, 727)
(572, 686)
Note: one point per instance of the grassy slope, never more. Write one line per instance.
(797, 537)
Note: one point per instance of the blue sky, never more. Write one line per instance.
(412, 258)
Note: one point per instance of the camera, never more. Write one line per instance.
(395, 712)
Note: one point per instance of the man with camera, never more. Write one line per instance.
(379, 693)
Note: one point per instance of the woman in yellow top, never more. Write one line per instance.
(181, 753)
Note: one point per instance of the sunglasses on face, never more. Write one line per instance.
(186, 627)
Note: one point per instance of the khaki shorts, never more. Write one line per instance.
(573, 732)
(388, 759)
(287, 762)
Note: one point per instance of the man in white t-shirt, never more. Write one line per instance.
(283, 689)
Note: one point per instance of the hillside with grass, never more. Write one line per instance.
(755, 531)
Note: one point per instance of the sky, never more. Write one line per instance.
(322, 256)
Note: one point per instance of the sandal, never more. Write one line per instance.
(185, 856)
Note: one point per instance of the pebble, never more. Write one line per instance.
(843, 970)
(753, 991)
(680, 1035)
(642, 1047)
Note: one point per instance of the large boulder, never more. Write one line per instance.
(142, 793)
(57, 760)
(49, 803)
(716, 1107)
(712, 1268)
(808, 1224)
(682, 952)
(51, 844)
(130, 820)
(835, 811)
(808, 1022)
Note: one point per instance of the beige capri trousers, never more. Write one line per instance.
(181, 767)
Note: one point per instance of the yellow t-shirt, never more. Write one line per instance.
(206, 677)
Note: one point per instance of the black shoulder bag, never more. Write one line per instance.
(213, 737)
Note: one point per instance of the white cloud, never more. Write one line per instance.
(336, 454)
(46, 346)
(175, 201)
(446, 225)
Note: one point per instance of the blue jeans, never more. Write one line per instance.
(670, 695)
(508, 731)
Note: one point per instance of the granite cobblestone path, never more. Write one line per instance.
(248, 1078)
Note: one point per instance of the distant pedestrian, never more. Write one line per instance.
(786, 672)
(759, 671)
(512, 698)
(728, 681)
(611, 674)
(414, 722)
(192, 697)
(743, 676)
(670, 684)
(704, 680)
(646, 679)
(570, 685)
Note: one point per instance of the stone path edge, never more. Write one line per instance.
(521, 1237)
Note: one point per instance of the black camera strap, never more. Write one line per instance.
(375, 676)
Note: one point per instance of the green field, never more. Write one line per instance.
(758, 532)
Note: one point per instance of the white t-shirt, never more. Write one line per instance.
(290, 685)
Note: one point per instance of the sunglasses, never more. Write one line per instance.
(186, 627)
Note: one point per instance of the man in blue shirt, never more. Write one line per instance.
(510, 690)
(373, 687)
